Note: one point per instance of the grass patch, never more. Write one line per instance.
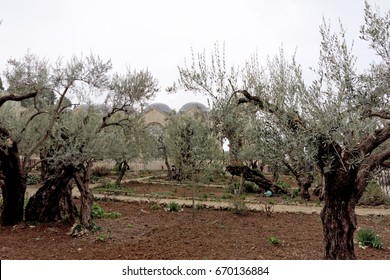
(368, 238)
(99, 213)
(112, 188)
(173, 207)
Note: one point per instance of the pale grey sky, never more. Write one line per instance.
(158, 34)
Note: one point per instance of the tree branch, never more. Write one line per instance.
(14, 97)
(373, 141)
(381, 114)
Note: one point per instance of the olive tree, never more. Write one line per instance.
(87, 134)
(340, 122)
(190, 144)
(236, 123)
(343, 118)
(218, 82)
(79, 78)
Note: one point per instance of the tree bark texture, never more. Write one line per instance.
(14, 181)
(82, 181)
(338, 216)
(53, 201)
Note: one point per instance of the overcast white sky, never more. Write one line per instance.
(158, 35)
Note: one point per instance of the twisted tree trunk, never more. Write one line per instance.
(14, 181)
(338, 216)
(82, 181)
(53, 201)
(254, 176)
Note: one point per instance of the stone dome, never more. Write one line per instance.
(161, 107)
(188, 106)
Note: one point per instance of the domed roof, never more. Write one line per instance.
(161, 107)
(188, 106)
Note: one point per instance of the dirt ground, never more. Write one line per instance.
(143, 233)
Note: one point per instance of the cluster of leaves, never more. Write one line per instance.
(99, 213)
(33, 179)
(367, 237)
(173, 207)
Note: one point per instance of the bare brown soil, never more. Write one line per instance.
(143, 233)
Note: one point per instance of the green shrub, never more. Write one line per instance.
(112, 215)
(284, 185)
(239, 207)
(232, 187)
(226, 196)
(173, 206)
(94, 179)
(155, 206)
(367, 237)
(112, 188)
(33, 179)
(250, 187)
(98, 212)
(295, 193)
(103, 237)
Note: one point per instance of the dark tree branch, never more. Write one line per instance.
(370, 143)
(14, 97)
(248, 98)
(381, 114)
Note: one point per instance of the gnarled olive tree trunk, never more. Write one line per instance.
(338, 215)
(14, 180)
(53, 201)
(82, 181)
(254, 176)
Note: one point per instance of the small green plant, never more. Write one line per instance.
(155, 206)
(98, 212)
(200, 206)
(295, 193)
(274, 240)
(173, 207)
(112, 215)
(130, 225)
(112, 188)
(367, 237)
(33, 179)
(239, 207)
(232, 188)
(226, 196)
(284, 185)
(94, 179)
(250, 187)
(103, 237)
